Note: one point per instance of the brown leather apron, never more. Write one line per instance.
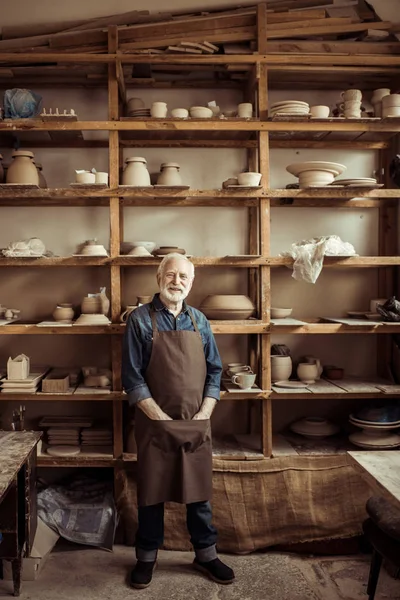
(174, 457)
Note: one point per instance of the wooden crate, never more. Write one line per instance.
(56, 382)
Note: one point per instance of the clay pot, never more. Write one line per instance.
(281, 367)
(144, 299)
(135, 172)
(307, 372)
(22, 169)
(63, 312)
(42, 180)
(169, 174)
(91, 305)
(159, 110)
(227, 306)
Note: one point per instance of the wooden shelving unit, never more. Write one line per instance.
(270, 66)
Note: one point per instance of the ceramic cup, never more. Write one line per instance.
(244, 380)
(373, 304)
(101, 177)
(250, 179)
(245, 110)
(355, 95)
(159, 110)
(320, 111)
(379, 94)
(307, 372)
(85, 177)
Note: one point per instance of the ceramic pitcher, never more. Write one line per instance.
(22, 169)
(136, 172)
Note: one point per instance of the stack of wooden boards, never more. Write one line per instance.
(202, 33)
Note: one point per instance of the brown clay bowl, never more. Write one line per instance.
(168, 250)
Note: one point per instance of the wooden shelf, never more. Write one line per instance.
(320, 328)
(40, 397)
(338, 262)
(33, 329)
(75, 461)
(56, 261)
(343, 389)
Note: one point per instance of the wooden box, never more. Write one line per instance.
(56, 382)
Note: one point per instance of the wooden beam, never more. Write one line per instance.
(238, 34)
(332, 47)
(327, 30)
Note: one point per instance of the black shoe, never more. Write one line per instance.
(142, 574)
(216, 570)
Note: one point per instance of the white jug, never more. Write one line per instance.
(136, 172)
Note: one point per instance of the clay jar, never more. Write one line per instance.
(63, 312)
(91, 305)
(307, 372)
(136, 172)
(281, 367)
(22, 169)
(169, 174)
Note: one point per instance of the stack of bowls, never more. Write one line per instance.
(227, 307)
(315, 173)
(377, 425)
(136, 108)
(285, 108)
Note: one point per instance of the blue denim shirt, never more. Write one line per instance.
(138, 342)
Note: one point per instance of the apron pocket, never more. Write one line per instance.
(180, 435)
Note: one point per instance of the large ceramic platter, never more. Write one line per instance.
(315, 165)
(283, 102)
(294, 385)
(63, 450)
(389, 424)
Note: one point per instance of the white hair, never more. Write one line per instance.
(168, 258)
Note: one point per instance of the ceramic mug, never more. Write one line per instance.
(244, 380)
(245, 110)
(355, 95)
(159, 110)
(320, 112)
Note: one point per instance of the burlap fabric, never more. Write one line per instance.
(257, 504)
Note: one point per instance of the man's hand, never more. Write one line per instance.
(152, 410)
(206, 409)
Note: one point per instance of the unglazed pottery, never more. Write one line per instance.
(91, 305)
(92, 319)
(200, 112)
(280, 313)
(139, 251)
(169, 174)
(148, 245)
(159, 110)
(307, 372)
(135, 104)
(314, 427)
(101, 177)
(281, 367)
(63, 312)
(250, 179)
(352, 95)
(320, 111)
(244, 380)
(22, 169)
(125, 314)
(163, 250)
(144, 299)
(135, 172)
(179, 113)
(91, 248)
(227, 306)
(245, 110)
(86, 177)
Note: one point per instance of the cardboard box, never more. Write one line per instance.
(44, 542)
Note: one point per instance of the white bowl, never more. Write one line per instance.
(200, 112)
(139, 251)
(179, 113)
(280, 313)
(85, 177)
(148, 245)
(94, 250)
(316, 165)
(250, 179)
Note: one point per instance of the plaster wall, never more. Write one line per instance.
(203, 232)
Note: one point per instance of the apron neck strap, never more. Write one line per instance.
(154, 320)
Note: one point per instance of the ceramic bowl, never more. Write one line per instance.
(383, 414)
(95, 319)
(94, 250)
(224, 306)
(219, 314)
(230, 181)
(280, 313)
(85, 177)
(179, 113)
(139, 251)
(250, 179)
(312, 427)
(148, 245)
(162, 250)
(200, 112)
(375, 439)
(316, 165)
(135, 104)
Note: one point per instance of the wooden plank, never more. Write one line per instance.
(332, 47)
(133, 16)
(322, 386)
(328, 30)
(294, 25)
(381, 470)
(296, 4)
(239, 34)
(21, 31)
(356, 387)
(67, 40)
(296, 15)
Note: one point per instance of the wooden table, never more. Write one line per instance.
(18, 516)
(381, 469)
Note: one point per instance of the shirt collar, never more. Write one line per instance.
(159, 306)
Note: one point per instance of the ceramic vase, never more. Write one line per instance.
(22, 169)
(63, 312)
(307, 372)
(169, 174)
(281, 368)
(136, 172)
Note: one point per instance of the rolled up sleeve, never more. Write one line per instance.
(212, 387)
(133, 381)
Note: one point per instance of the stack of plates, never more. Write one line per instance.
(60, 436)
(22, 386)
(358, 182)
(289, 107)
(378, 433)
(139, 113)
(96, 436)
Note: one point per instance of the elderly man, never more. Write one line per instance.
(171, 372)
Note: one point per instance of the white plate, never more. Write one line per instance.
(315, 165)
(247, 187)
(290, 384)
(299, 102)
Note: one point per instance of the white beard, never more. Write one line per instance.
(173, 296)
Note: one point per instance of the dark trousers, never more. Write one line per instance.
(150, 535)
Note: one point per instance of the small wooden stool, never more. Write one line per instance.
(382, 530)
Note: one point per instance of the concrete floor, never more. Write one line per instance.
(72, 573)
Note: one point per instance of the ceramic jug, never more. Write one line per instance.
(91, 305)
(125, 314)
(135, 172)
(315, 361)
(22, 169)
(281, 367)
(169, 174)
